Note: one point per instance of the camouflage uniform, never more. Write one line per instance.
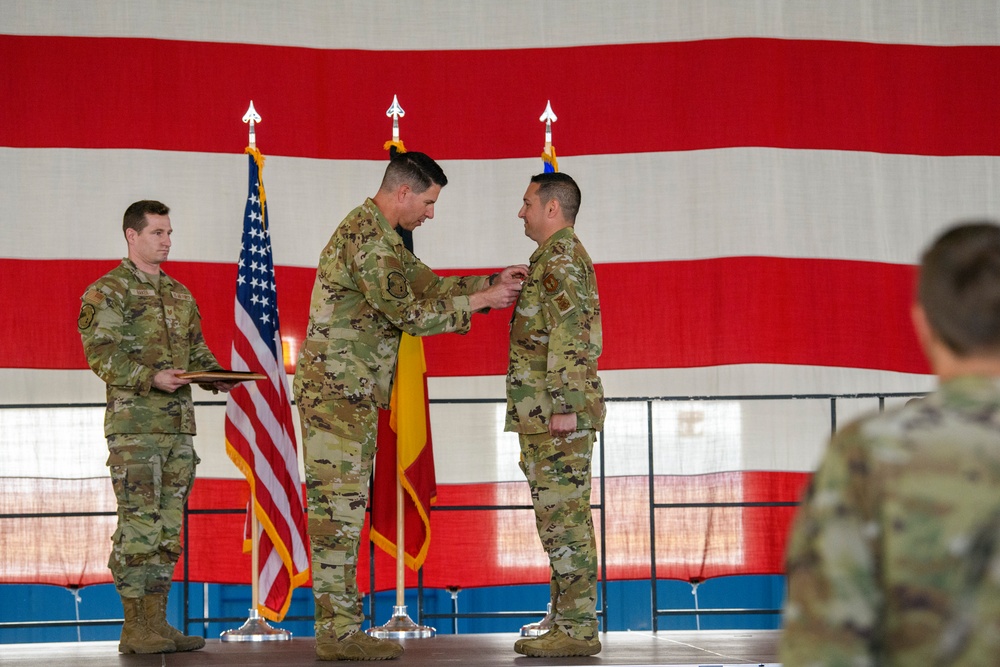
(131, 329)
(368, 289)
(555, 340)
(880, 549)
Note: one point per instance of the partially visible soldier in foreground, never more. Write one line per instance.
(880, 553)
(369, 289)
(140, 330)
(555, 402)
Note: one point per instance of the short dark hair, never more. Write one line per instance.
(959, 287)
(135, 214)
(415, 169)
(562, 187)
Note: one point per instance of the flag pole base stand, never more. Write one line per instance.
(400, 626)
(538, 628)
(256, 629)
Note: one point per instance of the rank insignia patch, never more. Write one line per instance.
(395, 285)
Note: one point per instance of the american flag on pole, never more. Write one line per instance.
(260, 435)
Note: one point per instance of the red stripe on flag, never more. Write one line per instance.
(735, 310)
(274, 463)
(730, 92)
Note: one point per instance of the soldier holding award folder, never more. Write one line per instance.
(141, 332)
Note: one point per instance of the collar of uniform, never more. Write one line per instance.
(390, 234)
(140, 274)
(977, 387)
(564, 233)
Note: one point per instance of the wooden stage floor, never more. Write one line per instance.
(714, 648)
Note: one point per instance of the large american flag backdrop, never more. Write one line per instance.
(758, 181)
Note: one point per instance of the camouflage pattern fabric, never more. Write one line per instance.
(558, 470)
(340, 442)
(152, 477)
(879, 553)
(368, 289)
(972, 637)
(131, 328)
(555, 341)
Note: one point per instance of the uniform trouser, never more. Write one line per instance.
(152, 476)
(339, 439)
(558, 472)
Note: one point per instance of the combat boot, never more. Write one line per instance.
(137, 637)
(154, 605)
(359, 646)
(557, 644)
(326, 648)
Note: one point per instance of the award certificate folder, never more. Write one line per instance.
(221, 376)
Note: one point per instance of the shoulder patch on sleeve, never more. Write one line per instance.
(395, 285)
(86, 318)
(93, 297)
(551, 283)
(563, 303)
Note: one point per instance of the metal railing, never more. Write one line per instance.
(372, 613)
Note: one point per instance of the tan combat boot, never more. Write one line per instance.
(137, 637)
(557, 644)
(359, 646)
(326, 648)
(154, 606)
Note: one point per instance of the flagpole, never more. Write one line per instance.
(254, 554)
(400, 538)
(400, 626)
(256, 628)
(549, 163)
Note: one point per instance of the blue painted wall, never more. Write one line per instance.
(629, 608)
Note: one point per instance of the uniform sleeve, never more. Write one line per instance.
(429, 285)
(834, 602)
(384, 282)
(100, 325)
(568, 308)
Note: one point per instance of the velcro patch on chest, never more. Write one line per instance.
(181, 296)
(142, 292)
